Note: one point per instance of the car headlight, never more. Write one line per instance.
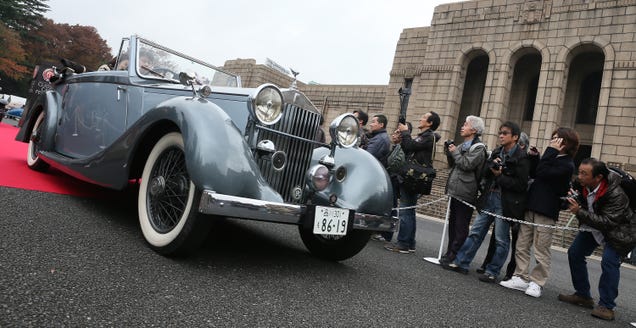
(267, 104)
(318, 177)
(344, 130)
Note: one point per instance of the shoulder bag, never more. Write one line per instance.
(418, 178)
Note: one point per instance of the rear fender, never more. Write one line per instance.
(49, 103)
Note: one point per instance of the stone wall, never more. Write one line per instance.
(333, 100)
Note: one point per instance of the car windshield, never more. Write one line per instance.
(157, 62)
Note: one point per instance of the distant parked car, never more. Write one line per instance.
(15, 113)
(203, 147)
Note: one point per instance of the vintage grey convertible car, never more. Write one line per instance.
(203, 147)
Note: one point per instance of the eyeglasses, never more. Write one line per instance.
(505, 133)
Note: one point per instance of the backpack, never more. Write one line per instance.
(396, 160)
(628, 184)
(480, 170)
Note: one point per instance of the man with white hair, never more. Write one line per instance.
(467, 161)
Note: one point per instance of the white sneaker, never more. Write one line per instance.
(534, 290)
(515, 283)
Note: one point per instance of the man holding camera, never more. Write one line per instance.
(602, 207)
(467, 162)
(421, 148)
(506, 182)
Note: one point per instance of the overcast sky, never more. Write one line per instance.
(327, 41)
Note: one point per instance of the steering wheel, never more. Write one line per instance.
(166, 73)
(161, 72)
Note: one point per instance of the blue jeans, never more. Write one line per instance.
(406, 235)
(388, 235)
(478, 232)
(582, 246)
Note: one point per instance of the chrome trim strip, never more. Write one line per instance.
(241, 207)
(254, 209)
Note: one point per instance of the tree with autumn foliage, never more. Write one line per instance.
(81, 44)
(28, 39)
(12, 55)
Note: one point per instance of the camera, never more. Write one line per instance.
(448, 143)
(496, 165)
(574, 195)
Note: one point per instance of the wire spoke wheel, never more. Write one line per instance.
(168, 190)
(168, 200)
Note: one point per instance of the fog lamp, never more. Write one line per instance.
(318, 177)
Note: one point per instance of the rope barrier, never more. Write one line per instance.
(550, 226)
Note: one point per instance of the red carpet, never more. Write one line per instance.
(15, 173)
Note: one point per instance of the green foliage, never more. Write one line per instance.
(22, 15)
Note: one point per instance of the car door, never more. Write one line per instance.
(93, 114)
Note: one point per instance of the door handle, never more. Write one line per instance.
(119, 91)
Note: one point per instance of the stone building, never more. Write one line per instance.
(541, 63)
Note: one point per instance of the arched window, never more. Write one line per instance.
(473, 93)
(531, 98)
(523, 89)
(588, 98)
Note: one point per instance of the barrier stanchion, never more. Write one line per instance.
(441, 245)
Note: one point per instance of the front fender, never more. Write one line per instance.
(217, 156)
(367, 187)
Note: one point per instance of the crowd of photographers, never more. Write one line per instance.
(513, 181)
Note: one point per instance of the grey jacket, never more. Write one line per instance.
(462, 180)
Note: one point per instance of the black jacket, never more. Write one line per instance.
(423, 146)
(612, 215)
(513, 182)
(551, 181)
(379, 145)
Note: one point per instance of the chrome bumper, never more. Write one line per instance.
(247, 208)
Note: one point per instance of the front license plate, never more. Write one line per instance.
(331, 221)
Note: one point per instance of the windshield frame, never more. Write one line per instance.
(173, 61)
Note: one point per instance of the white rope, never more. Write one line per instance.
(420, 205)
(550, 226)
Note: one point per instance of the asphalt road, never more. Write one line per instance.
(69, 261)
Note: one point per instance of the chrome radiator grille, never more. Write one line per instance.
(297, 122)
